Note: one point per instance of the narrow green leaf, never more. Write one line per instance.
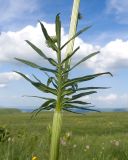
(90, 88)
(82, 108)
(40, 86)
(76, 35)
(49, 81)
(84, 78)
(49, 40)
(58, 30)
(37, 50)
(77, 102)
(36, 78)
(84, 59)
(52, 61)
(31, 64)
(45, 106)
(82, 94)
(68, 110)
(70, 55)
(68, 92)
(38, 97)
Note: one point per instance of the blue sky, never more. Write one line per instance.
(109, 20)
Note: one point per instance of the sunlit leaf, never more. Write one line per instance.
(84, 59)
(82, 94)
(76, 35)
(48, 38)
(58, 30)
(84, 78)
(40, 86)
(31, 64)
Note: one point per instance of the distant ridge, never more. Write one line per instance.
(9, 110)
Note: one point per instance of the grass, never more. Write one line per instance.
(95, 136)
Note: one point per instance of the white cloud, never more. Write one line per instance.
(12, 44)
(108, 98)
(11, 9)
(113, 55)
(113, 99)
(7, 77)
(3, 85)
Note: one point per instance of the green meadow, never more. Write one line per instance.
(93, 136)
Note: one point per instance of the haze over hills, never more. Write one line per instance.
(30, 109)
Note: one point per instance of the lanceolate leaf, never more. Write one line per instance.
(36, 78)
(76, 35)
(84, 59)
(38, 97)
(37, 50)
(58, 30)
(52, 61)
(90, 88)
(78, 102)
(84, 78)
(81, 108)
(40, 86)
(45, 106)
(69, 110)
(48, 38)
(31, 64)
(70, 55)
(82, 94)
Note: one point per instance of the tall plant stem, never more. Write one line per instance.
(73, 28)
(57, 117)
(55, 139)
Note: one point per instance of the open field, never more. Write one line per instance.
(95, 136)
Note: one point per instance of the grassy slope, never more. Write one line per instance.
(95, 136)
(9, 111)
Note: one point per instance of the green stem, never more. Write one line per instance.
(55, 139)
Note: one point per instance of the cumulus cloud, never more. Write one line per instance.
(113, 55)
(3, 85)
(11, 9)
(108, 98)
(12, 44)
(7, 77)
(112, 99)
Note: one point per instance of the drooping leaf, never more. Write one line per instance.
(70, 55)
(82, 94)
(58, 30)
(77, 102)
(40, 86)
(37, 50)
(68, 92)
(45, 106)
(69, 110)
(84, 59)
(36, 78)
(48, 38)
(90, 88)
(76, 35)
(81, 108)
(84, 78)
(31, 64)
(38, 97)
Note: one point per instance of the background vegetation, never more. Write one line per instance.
(94, 136)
